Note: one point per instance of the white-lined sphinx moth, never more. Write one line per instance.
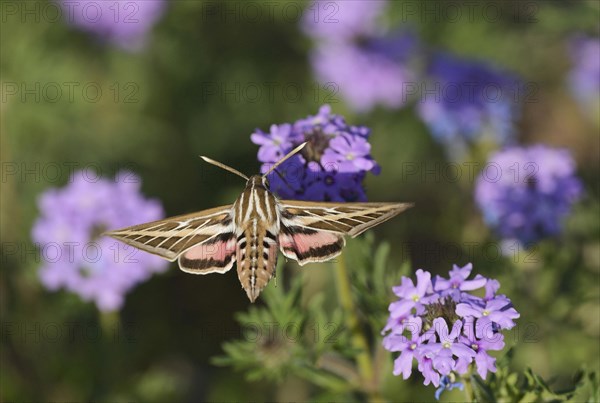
(252, 229)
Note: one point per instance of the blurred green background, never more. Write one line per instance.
(190, 91)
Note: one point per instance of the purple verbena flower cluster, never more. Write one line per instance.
(584, 78)
(75, 256)
(125, 23)
(368, 66)
(444, 327)
(343, 20)
(527, 192)
(468, 101)
(331, 167)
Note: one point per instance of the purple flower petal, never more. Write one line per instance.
(464, 310)
(485, 363)
(403, 364)
(423, 282)
(462, 351)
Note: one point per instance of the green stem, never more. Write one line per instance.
(108, 323)
(102, 369)
(358, 339)
(466, 380)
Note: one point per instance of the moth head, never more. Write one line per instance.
(258, 181)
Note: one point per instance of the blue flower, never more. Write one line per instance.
(529, 194)
(466, 101)
(75, 256)
(331, 167)
(447, 384)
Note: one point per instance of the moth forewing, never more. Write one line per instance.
(385, 211)
(345, 218)
(172, 236)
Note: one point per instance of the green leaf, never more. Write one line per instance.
(379, 267)
(482, 391)
(323, 379)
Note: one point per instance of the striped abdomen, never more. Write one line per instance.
(257, 224)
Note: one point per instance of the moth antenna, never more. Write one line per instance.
(290, 154)
(223, 166)
(284, 180)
